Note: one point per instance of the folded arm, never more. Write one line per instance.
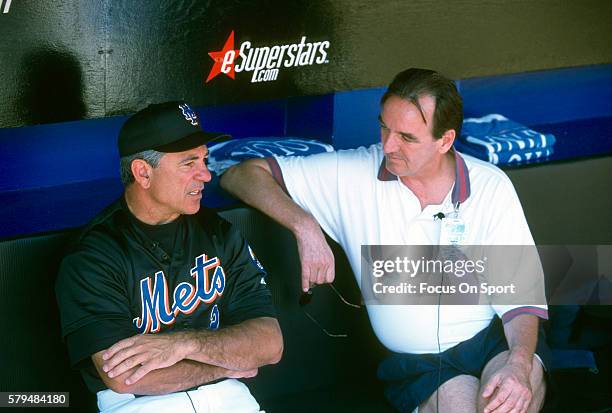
(188, 358)
(181, 376)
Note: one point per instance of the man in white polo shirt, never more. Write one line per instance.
(480, 357)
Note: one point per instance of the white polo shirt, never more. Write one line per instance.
(357, 201)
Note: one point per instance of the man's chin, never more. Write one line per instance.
(193, 209)
(393, 167)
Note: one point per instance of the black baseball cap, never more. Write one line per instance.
(164, 127)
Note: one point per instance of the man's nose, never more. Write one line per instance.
(204, 174)
(390, 142)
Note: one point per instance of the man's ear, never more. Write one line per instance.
(447, 140)
(142, 172)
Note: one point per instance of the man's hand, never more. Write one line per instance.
(149, 351)
(316, 257)
(508, 390)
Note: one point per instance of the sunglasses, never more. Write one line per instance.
(306, 298)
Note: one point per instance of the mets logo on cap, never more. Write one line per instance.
(189, 114)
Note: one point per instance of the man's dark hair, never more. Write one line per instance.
(413, 83)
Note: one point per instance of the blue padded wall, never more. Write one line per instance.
(535, 98)
(550, 96)
(55, 154)
(58, 176)
(356, 118)
(62, 153)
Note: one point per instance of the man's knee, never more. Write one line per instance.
(538, 386)
(536, 381)
(455, 395)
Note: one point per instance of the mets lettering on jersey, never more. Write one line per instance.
(155, 302)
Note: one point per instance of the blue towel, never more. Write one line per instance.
(505, 157)
(496, 133)
(225, 154)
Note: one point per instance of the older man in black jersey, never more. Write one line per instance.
(161, 297)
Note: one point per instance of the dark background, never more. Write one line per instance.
(66, 60)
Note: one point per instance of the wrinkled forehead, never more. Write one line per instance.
(421, 109)
(425, 104)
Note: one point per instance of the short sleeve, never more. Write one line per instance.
(248, 295)
(508, 225)
(312, 183)
(509, 228)
(508, 312)
(94, 311)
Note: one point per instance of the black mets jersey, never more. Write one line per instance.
(121, 279)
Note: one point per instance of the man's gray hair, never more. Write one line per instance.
(151, 157)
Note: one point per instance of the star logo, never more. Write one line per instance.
(224, 60)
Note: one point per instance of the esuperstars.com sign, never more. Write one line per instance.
(265, 62)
